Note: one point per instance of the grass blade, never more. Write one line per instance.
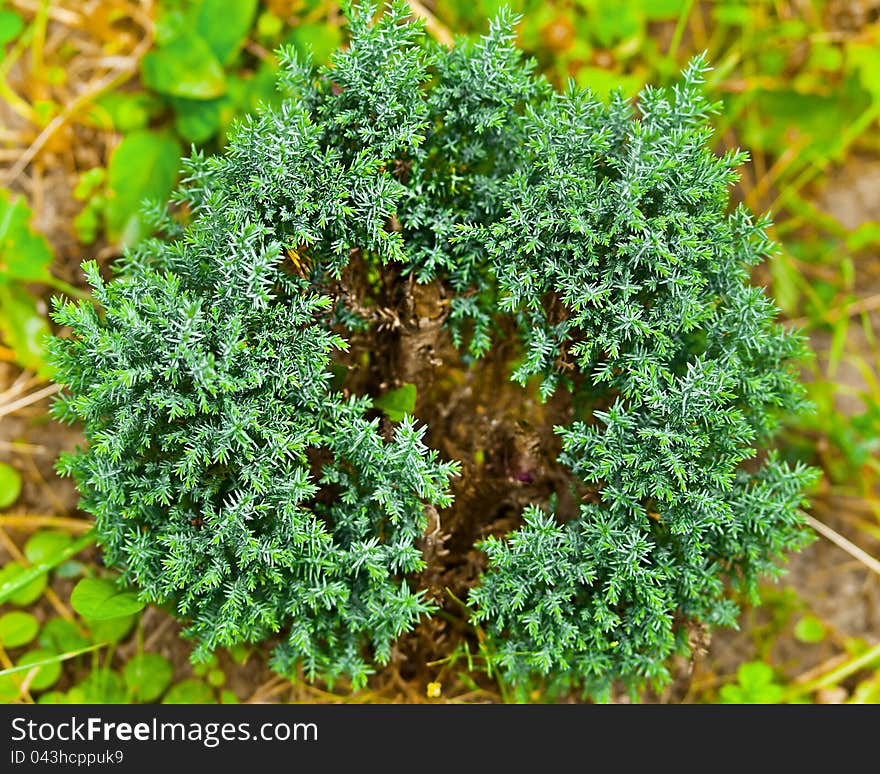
(54, 660)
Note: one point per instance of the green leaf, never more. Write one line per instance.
(87, 224)
(269, 25)
(102, 686)
(659, 10)
(825, 56)
(756, 686)
(10, 689)
(863, 58)
(45, 544)
(24, 254)
(89, 182)
(24, 328)
(239, 652)
(319, 39)
(754, 674)
(126, 111)
(48, 672)
(110, 629)
(397, 403)
(247, 93)
(216, 677)
(785, 282)
(17, 583)
(190, 692)
(732, 694)
(25, 588)
(99, 600)
(224, 26)
(10, 485)
(768, 694)
(866, 235)
(184, 67)
(10, 25)
(203, 667)
(62, 636)
(147, 675)
(143, 166)
(170, 20)
(17, 628)
(612, 22)
(197, 121)
(602, 82)
(810, 629)
(53, 697)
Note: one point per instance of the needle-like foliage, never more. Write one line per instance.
(628, 276)
(231, 481)
(225, 475)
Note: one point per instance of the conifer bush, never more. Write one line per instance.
(409, 212)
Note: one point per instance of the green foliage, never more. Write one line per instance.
(215, 509)
(396, 404)
(85, 645)
(802, 92)
(44, 545)
(22, 585)
(10, 485)
(224, 26)
(184, 67)
(196, 69)
(17, 628)
(103, 686)
(111, 630)
(810, 629)
(25, 256)
(81, 647)
(147, 675)
(11, 25)
(26, 589)
(190, 692)
(47, 668)
(142, 167)
(25, 253)
(755, 685)
(61, 635)
(628, 278)
(98, 600)
(230, 480)
(197, 80)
